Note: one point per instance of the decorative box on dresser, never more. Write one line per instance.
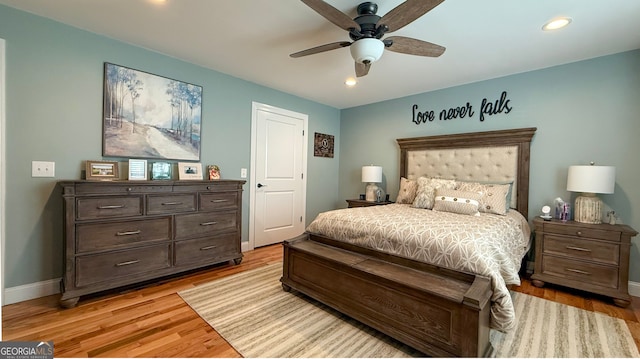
(118, 233)
(589, 257)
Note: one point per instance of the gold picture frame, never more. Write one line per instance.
(101, 170)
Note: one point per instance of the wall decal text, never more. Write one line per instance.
(487, 108)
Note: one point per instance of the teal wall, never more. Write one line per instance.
(584, 111)
(54, 110)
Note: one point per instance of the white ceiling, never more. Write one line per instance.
(252, 40)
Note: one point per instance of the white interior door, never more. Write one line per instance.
(278, 174)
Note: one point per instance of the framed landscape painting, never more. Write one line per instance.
(149, 116)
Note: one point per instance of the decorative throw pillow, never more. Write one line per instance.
(461, 202)
(494, 196)
(426, 192)
(407, 191)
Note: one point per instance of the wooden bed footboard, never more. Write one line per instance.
(438, 311)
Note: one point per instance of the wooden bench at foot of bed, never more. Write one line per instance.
(437, 311)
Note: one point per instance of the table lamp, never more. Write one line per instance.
(372, 175)
(590, 180)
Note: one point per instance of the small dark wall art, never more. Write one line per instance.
(149, 116)
(323, 145)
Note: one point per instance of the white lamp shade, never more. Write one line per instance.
(367, 50)
(591, 179)
(372, 174)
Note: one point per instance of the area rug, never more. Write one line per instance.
(252, 312)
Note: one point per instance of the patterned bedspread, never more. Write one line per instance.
(489, 244)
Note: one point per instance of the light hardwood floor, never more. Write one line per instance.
(153, 321)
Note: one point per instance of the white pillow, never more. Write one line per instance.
(494, 196)
(461, 202)
(407, 192)
(425, 195)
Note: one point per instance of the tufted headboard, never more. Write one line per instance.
(493, 156)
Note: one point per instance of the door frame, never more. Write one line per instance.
(255, 107)
(3, 165)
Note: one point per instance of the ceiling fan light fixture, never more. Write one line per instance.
(367, 50)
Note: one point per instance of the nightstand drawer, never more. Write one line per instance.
(581, 271)
(596, 251)
(581, 231)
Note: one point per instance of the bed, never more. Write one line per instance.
(441, 298)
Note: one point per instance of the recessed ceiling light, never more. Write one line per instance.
(350, 82)
(556, 23)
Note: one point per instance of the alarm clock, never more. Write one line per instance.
(545, 213)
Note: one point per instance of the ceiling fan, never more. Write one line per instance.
(367, 30)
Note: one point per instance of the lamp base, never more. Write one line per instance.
(370, 192)
(588, 209)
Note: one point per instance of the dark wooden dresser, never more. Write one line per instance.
(589, 257)
(118, 233)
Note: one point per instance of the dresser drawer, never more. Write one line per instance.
(204, 224)
(596, 251)
(205, 249)
(108, 207)
(221, 200)
(102, 236)
(91, 269)
(175, 203)
(570, 230)
(591, 273)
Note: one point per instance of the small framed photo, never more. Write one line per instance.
(189, 171)
(214, 172)
(102, 170)
(137, 170)
(161, 171)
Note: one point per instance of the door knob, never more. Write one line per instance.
(260, 185)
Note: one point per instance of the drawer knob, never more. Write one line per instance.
(577, 271)
(111, 207)
(208, 223)
(171, 203)
(128, 233)
(578, 249)
(128, 263)
(219, 200)
(579, 233)
(129, 189)
(208, 187)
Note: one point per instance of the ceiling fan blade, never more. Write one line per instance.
(411, 46)
(321, 48)
(332, 14)
(406, 13)
(362, 69)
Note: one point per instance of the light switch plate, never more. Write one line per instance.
(243, 173)
(43, 169)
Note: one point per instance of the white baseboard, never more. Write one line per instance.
(31, 291)
(634, 289)
(49, 287)
(52, 286)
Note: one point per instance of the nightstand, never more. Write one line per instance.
(362, 203)
(589, 257)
